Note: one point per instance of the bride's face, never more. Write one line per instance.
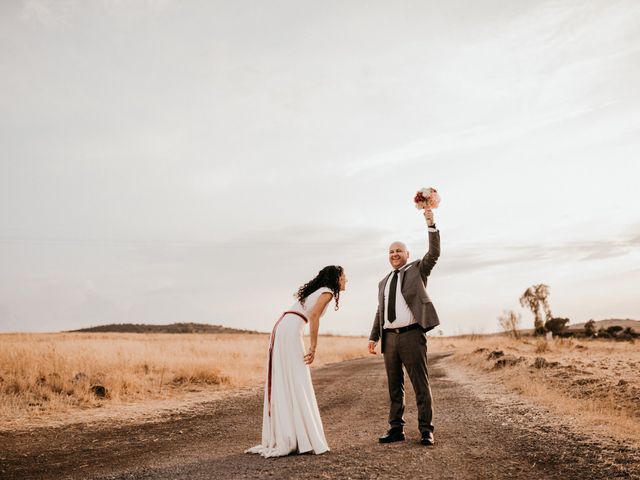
(342, 281)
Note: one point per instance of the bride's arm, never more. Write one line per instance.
(314, 324)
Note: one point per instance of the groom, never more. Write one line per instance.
(404, 314)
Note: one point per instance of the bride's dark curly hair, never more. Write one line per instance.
(328, 277)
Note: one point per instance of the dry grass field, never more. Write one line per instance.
(53, 376)
(595, 382)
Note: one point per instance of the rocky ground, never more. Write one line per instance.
(481, 433)
(605, 372)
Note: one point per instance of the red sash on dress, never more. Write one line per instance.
(273, 337)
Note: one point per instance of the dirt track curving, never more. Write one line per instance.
(477, 437)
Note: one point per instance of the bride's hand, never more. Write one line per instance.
(309, 357)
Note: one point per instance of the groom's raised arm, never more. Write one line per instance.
(429, 260)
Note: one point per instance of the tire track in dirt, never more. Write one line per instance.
(475, 439)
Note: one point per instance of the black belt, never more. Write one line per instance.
(403, 329)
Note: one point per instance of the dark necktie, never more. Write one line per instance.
(391, 309)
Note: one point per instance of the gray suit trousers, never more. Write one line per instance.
(408, 349)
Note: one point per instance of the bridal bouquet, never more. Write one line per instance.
(427, 198)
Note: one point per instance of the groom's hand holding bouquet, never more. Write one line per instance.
(428, 216)
(427, 199)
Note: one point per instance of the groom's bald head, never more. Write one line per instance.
(398, 255)
(398, 243)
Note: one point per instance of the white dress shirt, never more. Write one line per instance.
(404, 317)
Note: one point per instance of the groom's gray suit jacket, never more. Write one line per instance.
(414, 291)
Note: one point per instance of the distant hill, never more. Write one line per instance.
(624, 323)
(172, 328)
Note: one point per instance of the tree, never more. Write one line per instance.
(510, 321)
(532, 298)
(529, 299)
(615, 330)
(556, 325)
(628, 334)
(542, 292)
(590, 328)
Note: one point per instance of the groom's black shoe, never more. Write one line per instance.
(393, 435)
(427, 438)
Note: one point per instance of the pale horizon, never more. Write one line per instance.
(167, 162)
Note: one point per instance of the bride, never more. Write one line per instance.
(291, 420)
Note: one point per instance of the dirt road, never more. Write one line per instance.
(476, 436)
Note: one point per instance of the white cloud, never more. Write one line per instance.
(50, 13)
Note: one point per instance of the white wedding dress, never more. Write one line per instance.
(290, 420)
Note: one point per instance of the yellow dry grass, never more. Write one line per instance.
(45, 374)
(594, 382)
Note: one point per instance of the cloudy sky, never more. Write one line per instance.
(196, 161)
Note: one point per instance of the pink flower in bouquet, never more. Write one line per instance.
(427, 198)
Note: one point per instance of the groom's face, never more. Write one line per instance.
(398, 255)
